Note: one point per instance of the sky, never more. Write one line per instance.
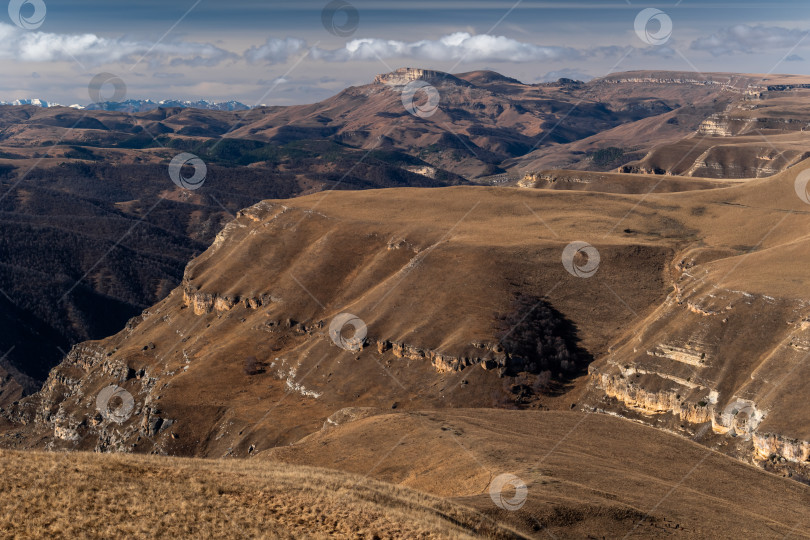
(282, 52)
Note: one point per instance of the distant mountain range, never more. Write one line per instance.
(138, 105)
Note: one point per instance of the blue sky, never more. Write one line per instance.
(280, 52)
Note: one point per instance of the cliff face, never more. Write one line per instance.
(731, 125)
(771, 445)
(402, 76)
(486, 355)
(669, 79)
(759, 133)
(717, 160)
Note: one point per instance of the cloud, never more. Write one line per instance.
(794, 58)
(744, 38)
(93, 50)
(275, 51)
(456, 46)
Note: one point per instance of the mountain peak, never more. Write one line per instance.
(405, 75)
(33, 101)
(486, 76)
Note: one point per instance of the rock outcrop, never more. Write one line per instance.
(403, 76)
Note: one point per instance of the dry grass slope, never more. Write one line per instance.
(588, 475)
(82, 495)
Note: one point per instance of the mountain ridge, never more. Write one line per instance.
(407, 74)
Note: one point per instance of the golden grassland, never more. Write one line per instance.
(83, 495)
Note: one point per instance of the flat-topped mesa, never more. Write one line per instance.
(403, 76)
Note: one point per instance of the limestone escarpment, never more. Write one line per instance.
(721, 157)
(731, 125)
(699, 361)
(532, 180)
(768, 445)
(759, 162)
(206, 302)
(756, 136)
(671, 79)
(64, 412)
(490, 356)
(403, 76)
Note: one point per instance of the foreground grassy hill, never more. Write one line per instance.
(83, 495)
(587, 475)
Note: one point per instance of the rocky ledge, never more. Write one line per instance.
(403, 76)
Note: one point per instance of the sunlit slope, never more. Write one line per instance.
(114, 496)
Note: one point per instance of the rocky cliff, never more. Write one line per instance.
(698, 360)
(756, 135)
(403, 76)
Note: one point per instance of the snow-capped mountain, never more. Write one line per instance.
(36, 102)
(139, 105)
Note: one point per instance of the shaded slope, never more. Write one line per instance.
(90, 236)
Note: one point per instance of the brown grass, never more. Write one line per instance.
(588, 475)
(86, 495)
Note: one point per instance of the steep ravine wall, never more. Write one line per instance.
(63, 414)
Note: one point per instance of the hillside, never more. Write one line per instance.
(96, 496)
(94, 229)
(484, 123)
(585, 474)
(428, 271)
(629, 342)
(756, 128)
(94, 183)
